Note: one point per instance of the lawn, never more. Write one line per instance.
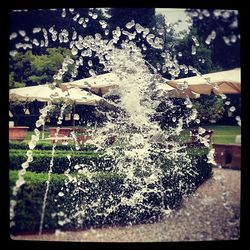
(224, 134)
(221, 135)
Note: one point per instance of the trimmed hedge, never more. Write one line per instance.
(48, 146)
(102, 187)
(41, 160)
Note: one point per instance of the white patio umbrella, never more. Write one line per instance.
(103, 83)
(40, 93)
(173, 92)
(224, 82)
(80, 96)
(99, 84)
(44, 93)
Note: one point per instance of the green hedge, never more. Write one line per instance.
(104, 185)
(41, 160)
(48, 146)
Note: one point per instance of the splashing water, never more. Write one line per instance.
(139, 154)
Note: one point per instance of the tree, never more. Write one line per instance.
(219, 31)
(121, 16)
(28, 69)
(210, 108)
(200, 60)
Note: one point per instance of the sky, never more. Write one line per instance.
(173, 15)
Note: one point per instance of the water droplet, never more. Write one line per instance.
(36, 30)
(106, 32)
(30, 158)
(32, 144)
(94, 16)
(92, 72)
(60, 194)
(206, 13)
(29, 153)
(76, 117)
(195, 41)
(13, 35)
(226, 14)
(90, 63)
(217, 13)
(80, 21)
(226, 40)
(213, 34)
(180, 54)
(232, 109)
(25, 165)
(238, 119)
(129, 25)
(63, 13)
(233, 38)
(74, 51)
(208, 40)
(22, 33)
(160, 32)
(193, 50)
(138, 28)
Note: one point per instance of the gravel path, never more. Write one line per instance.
(211, 213)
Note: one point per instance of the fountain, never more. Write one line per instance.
(144, 172)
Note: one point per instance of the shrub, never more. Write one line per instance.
(41, 160)
(103, 186)
(48, 146)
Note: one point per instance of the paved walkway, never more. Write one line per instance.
(211, 213)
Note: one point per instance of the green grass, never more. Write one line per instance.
(221, 135)
(30, 133)
(224, 134)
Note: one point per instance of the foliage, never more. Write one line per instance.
(48, 146)
(121, 16)
(41, 160)
(170, 111)
(202, 60)
(209, 107)
(225, 47)
(103, 185)
(29, 69)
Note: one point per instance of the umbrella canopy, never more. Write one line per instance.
(44, 93)
(99, 84)
(40, 93)
(224, 82)
(174, 93)
(80, 96)
(103, 83)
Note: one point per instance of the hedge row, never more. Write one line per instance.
(48, 146)
(102, 187)
(41, 160)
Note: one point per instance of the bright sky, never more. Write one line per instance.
(173, 15)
